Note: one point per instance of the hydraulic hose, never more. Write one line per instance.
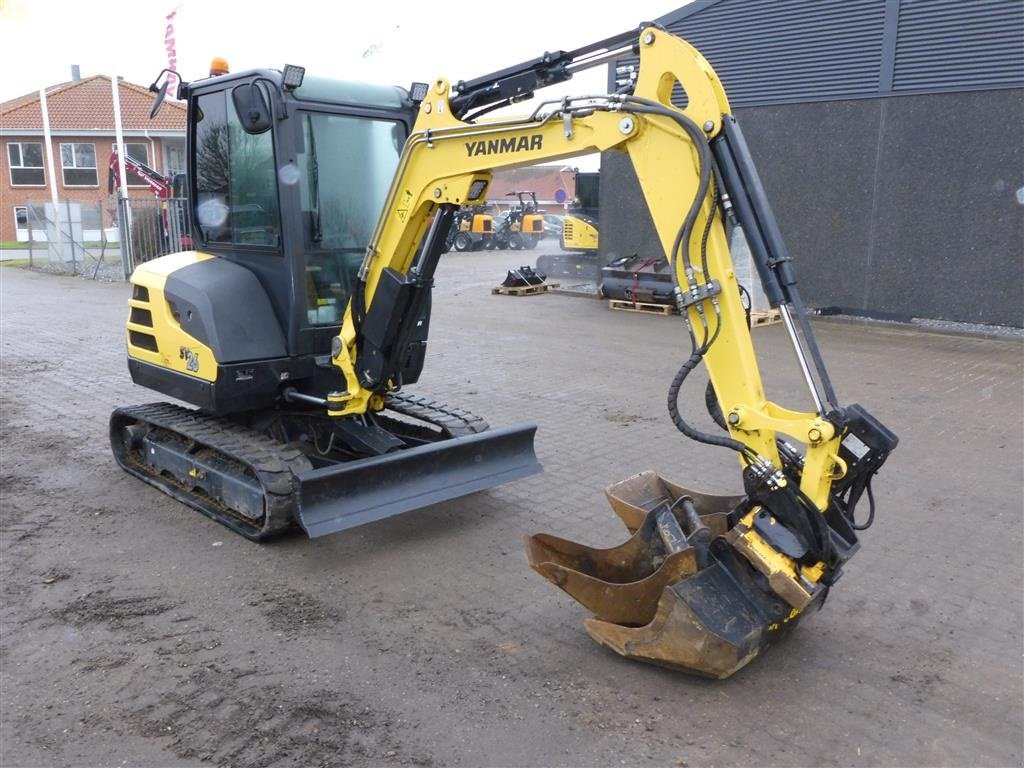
(692, 432)
(680, 249)
(700, 142)
(713, 406)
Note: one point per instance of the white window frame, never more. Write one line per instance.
(21, 162)
(170, 167)
(18, 229)
(133, 180)
(76, 167)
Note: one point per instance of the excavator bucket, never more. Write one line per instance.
(632, 498)
(335, 498)
(677, 593)
(523, 277)
(621, 585)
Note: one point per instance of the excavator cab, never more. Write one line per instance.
(288, 175)
(288, 184)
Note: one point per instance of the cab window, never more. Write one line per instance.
(345, 171)
(236, 183)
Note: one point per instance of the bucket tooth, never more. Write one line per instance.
(621, 585)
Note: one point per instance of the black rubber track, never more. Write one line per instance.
(273, 465)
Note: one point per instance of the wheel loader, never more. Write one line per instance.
(471, 230)
(297, 331)
(523, 225)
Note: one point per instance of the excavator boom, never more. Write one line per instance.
(705, 583)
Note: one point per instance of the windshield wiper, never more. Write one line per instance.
(317, 229)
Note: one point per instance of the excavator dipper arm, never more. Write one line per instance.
(705, 582)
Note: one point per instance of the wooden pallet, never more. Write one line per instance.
(639, 306)
(764, 318)
(523, 290)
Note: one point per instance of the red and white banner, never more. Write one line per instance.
(170, 45)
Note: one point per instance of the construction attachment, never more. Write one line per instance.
(521, 277)
(677, 593)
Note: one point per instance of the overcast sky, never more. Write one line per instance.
(386, 42)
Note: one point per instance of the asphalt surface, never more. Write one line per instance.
(136, 632)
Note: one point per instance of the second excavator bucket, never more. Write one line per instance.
(677, 593)
(523, 277)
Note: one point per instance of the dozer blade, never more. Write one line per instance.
(340, 497)
(677, 593)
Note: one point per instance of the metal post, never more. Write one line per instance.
(48, 141)
(28, 219)
(71, 237)
(124, 224)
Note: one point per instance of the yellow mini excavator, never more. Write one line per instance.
(298, 327)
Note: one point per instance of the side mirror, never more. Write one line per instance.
(251, 107)
(161, 92)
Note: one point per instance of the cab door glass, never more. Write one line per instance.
(345, 171)
(236, 183)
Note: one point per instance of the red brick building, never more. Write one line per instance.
(81, 116)
(553, 184)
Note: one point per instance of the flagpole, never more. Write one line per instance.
(48, 141)
(124, 215)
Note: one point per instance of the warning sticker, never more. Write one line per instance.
(406, 204)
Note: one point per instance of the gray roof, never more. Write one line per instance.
(778, 51)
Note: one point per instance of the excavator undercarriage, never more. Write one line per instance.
(288, 468)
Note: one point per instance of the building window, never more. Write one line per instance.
(139, 152)
(21, 223)
(26, 163)
(79, 164)
(175, 160)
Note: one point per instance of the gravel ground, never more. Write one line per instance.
(136, 632)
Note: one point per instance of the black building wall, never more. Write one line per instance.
(890, 136)
(896, 207)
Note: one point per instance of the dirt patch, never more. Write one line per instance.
(291, 611)
(625, 419)
(229, 716)
(55, 575)
(100, 607)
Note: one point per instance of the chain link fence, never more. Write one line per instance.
(68, 237)
(158, 227)
(71, 237)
